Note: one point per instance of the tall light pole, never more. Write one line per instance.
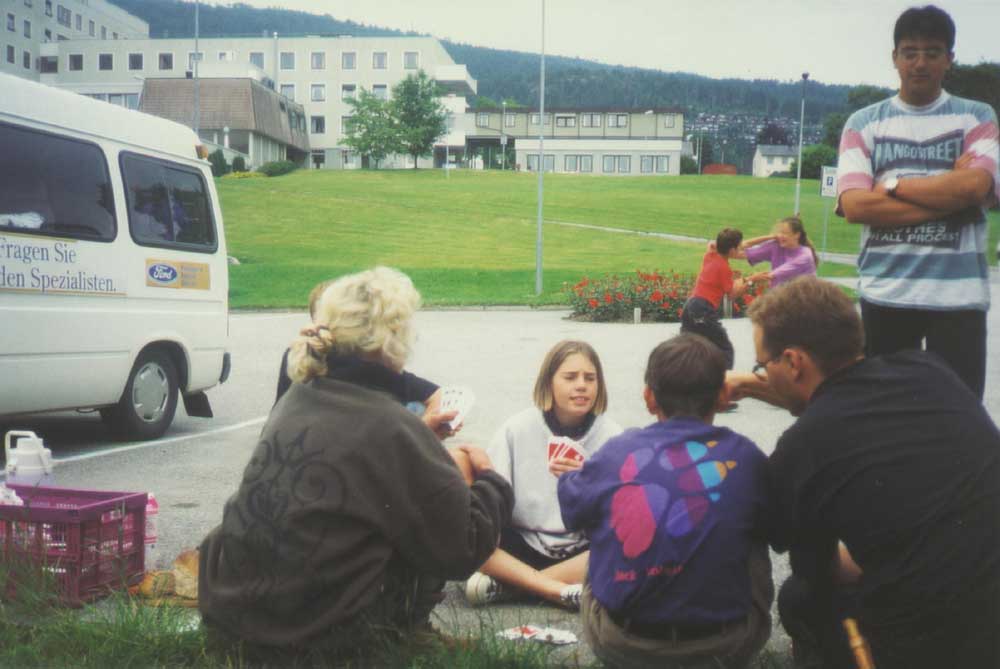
(503, 136)
(798, 164)
(541, 164)
(197, 86)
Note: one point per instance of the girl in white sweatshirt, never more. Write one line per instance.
(537, 554)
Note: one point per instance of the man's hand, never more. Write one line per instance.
(560, 466)
(439, 423)
(740, 385)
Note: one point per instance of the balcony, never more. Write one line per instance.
(455, 79)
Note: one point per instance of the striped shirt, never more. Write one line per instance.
(938, 265)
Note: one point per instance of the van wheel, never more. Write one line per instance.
(148, 404)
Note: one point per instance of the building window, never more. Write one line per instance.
(79, 23)
(662, 164)
(590, 120)
(27, 28)
(572, 163)
(48, 35)
(48, 7)
(669, 120)
(166, 61)
(483, 120)
(195, 58)
(287, 60)
(586, 163)
(11, 54)
(105, 61)
(26, 60)
(226, 56)
(288, 90)
(347, 91)
(617, 120)
(565, 121)
(11, 21)
(380, 60)
(624, 164)
(608, 164)
(535, 118)
(646, 164)
(345, 124)
(348, 60)
(318, 159)
(550, 162)
(48, 64)
(91, 27)
(317, 93)
(380, 91)
(509, 120)
(317, 60)
(317, 124)
(132, 100)
(75, 62)
(257, 58)
(64, 16)
(411, 60)
(104, 32)
(135, 61)
(770, 160)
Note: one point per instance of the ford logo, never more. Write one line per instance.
(161, 273)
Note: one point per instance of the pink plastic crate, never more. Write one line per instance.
(89, 541)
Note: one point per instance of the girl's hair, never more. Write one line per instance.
(553, 361)
(794, 224)
(365, 313)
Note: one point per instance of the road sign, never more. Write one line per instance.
(503, 140)
(828, 185)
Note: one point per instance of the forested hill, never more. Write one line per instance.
(513, 75)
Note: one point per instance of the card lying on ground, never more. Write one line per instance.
(564, 447)
(456, 398)
(552, 635)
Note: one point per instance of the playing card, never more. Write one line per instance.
(551, 635)
(459, 399)
(563, 447)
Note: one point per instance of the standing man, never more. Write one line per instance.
(918, 171)
(886, 490)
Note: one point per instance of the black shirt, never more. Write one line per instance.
(895, 457)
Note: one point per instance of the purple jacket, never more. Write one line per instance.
(785, 264)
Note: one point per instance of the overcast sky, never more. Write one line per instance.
(836, 41)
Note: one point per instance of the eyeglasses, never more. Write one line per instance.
(760, 369)
(910, 55)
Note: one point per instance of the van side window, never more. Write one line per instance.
(167, 205)
(53, 185)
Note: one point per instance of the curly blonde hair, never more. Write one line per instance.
(365, 313)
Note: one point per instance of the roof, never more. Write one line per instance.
(236, 103)
(777, 150)
(48, 106)
(581, 110)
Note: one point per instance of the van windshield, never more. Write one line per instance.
(54, 185)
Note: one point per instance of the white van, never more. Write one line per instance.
(113, 276)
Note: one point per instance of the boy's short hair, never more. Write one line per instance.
(813, 315)
(928, 22)
(686, 374)
(727, 240)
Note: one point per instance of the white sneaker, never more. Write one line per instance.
(570, 596)
(482, 589)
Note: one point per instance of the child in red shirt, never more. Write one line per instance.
(701, 312)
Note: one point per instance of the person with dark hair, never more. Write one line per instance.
(701, 311)
(788, 250)
(886, 490)
(679, 574)
(917, 171)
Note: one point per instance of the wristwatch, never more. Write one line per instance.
(891, 184)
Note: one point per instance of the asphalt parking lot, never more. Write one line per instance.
(496, 353)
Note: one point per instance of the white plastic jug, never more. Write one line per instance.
(30, 463)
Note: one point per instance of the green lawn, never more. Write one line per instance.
(470, 238)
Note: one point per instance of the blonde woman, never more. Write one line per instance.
(350, 515)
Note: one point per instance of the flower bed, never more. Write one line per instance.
(660, 295)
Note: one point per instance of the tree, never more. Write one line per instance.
(773, 133)
(813, 159)
(371, 130)
(976, 82)
(484, 102)
(860, 97)
(420, 117)
(218, 162)
(689, 165)
(833, 125)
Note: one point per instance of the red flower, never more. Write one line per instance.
(673, 294)
(680, 311)
(666, 305)
(607, 298)
(619, 296)
(656, 296)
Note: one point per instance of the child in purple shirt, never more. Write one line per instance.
(675, 512)
(788, 249)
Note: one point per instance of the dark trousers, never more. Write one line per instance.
(701, 318)
(961, 633)
(959, 337)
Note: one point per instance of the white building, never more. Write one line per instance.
(771, 158)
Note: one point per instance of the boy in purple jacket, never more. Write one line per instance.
(679, 573)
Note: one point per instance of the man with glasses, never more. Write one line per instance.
(918, 171)
(886, 490)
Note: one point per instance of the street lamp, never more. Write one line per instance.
(503, 136)
(798, 164)
(197, 84)
(541, 164)
(722, 161)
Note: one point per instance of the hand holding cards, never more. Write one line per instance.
(458, 399)
(565, 455)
